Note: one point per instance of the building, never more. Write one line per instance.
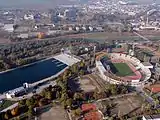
(90, 112)
(18, 91)
(147, 65)
(142, 73)
(23, 36)
(9, 27)
(28, 17)
(151, 117)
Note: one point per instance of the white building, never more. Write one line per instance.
(77, 28)
(9, 27)
(23, 35)
(28, 17)
(90, 28)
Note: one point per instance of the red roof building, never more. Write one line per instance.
(90, 112)
(88, 107)
(93, 116)
(155, 89)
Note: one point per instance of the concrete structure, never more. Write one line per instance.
(18, 91)
(113, 79)
(147, 65)
(67, 59)
(151, 117)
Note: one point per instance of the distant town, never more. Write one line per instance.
(99, 60)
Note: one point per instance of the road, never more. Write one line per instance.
(142, 36)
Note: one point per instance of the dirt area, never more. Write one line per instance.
(55, 113)
(86, 85)
(81, 84)
(124, 105)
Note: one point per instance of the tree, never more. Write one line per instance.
(2, 116)
(30, 111)
(78, 112)
(69, 102)
(22, 102)
(65, 75)
(42, 102)
(58, 95)
(64, 97)
(49, 95)
(113, 89)
(81, 72)
(75, 69)
(82, 64)
(78, 96)
(30, 102)
(7, 115)
(15, 111)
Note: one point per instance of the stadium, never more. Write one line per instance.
(118, 68)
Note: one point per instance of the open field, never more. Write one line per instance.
(121, 69)
(55, 113)
(151, 34)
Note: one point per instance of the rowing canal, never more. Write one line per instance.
(30, 74)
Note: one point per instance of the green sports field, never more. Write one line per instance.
(122, 69)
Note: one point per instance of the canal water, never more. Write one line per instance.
(30, 74)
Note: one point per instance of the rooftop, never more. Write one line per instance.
(88, 107)
(146, 64)
(93, 116)
(67, 59)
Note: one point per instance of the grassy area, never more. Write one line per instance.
(6, 103)
(122, 69)
(111, 36)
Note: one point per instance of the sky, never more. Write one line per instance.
(44, 3)
(29, 3)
